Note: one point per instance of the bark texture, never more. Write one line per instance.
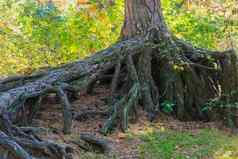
(141, 16)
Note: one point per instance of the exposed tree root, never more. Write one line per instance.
(67, 114)
(90, 142)
(116, 76)
(141, 71)
(13, 147)
(21, 97)
(150, 67)
(19, 142)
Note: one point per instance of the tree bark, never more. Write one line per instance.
(141, 16)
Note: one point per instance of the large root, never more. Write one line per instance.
(20, 97)
(24, 144)
(184, 81)
(90, 142)
(141, 71)
(15, 91)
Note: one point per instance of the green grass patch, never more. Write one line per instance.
(206, 143)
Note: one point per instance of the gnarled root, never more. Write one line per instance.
(90, 142)
(21, 96)
(183, 81)
(142, 88)
(171, 75)
(18, 143)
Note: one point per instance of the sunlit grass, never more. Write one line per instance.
(162, 143)
(205, 143)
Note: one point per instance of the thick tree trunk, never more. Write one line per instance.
(189, 88)
(144, 18)
(141, 16)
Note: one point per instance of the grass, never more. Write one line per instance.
(168, 144)
(205, 144)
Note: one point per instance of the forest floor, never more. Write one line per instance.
(165, 138)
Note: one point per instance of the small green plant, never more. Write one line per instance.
(167, 106)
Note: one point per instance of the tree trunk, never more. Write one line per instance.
(141, 16)
(154, 68)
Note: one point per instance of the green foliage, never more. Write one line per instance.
(206, 24)
(225, 101)
(227, 104)
(36, 35)
(184, 145)
(167, 106)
